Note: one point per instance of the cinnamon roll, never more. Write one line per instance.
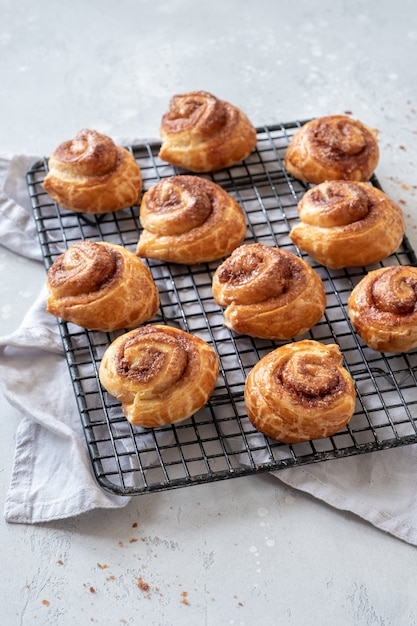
(201, 133)
(101, 286)
(299, 392)
(383, 308)
(90, 174)
(268, 292)
(348, 224)
(160, 374)
(187, 219)
(332, 148)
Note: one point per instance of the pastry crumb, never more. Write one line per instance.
(184, 598)
(144, 586)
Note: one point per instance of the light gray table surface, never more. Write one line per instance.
(249, 550)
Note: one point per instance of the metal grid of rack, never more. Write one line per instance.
(219, 442)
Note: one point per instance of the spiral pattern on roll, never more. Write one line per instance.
(91, 174)
(187, 219)
(202, 133)
(176, 205)
(383, 308)
(300, 391)
(334, 147)
(101, 286)
(348, 224)
(83, 269)
(160, 374)
(268, 292)
(89, 153)
(200, 111)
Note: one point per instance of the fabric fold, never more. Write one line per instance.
(52, 475)
(17, 226)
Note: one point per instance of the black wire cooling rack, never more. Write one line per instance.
(219, 442)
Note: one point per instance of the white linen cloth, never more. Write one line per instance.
(52, 477)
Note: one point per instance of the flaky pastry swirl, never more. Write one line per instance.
(201, 133)
(334, 147)
(348, 224)
(160, 374)
(91, 174)
(187, 219)
(101, 286)
(268, 292)
(299, 392)
(383, 308)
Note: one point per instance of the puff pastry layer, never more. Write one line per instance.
(187, 219)
(348, 224)
(300, 391)
(101, 286)
(334, 147)
(90, 174)
(268, 292)
(383, 308)
(160, 374)
(202, 133)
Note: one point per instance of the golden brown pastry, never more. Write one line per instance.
(187, 219)
(383, 308)
(335, 147)
(160, 374)
(90, 174)
(101, 286)
(348, 224)
(201, 133)
(299, 392)
(268, 292)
